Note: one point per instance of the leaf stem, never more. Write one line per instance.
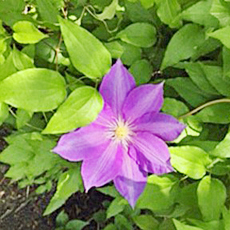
(218, 101)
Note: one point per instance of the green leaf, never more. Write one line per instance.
(23, 117)
(226, 61)
(146, 222)
(33, 90)
(80, 108)
(199, 77)
(174, 107)
(11, 11)
(110, 227)
(21, 61)
(93, 58)
(222, 35)
(163, 189)
(109, 11)
(122, 223)
(214, 225)
(190, 160)
(211, 198)
(141, 71)
(7, 68)
(214, 74)
(220, 10)
(68, 183)
(115, 49)
(76, 225)
(226, 217)
(181, 226)
(188, 38)
(26, 33)
(168, 11)
(222, 150)
(116, 206)
(110, 191)
(200, 13)
(218, 113)
(130, 54)
(189, 91)
(147, 3)
(47, 10)
(61, 219)
(4, 112)
(138, 34)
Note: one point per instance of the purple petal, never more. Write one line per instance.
(116, 85)
(151, 153)
(99, 171)
(143, 99)
(86, 142)
(162, 125)
(130, 181)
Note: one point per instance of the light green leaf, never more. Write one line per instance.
(76, 225)
(139, 34)
(226, 217)
(190, 160)
(199, 13)
(23, 117)
(181, 226)
(222, 150)
(168, 11)
(21, 61)
(147, 3)
(25, 32)
(146, 222)
(222, 35)
(47, 10)
(3, 45)
(86, 52)
(33, 90)
(213, 225)
(68, 183)
(189, 91)
(188, 38)
(4, 112)
(221, 10)
(110, 227)
(110, 191)
(116, 206)
(81, 107)
(164, 190)
(218, 113)
(7, 68)
(211, 198)
(109, 11)
(115, 49)
(141, 71)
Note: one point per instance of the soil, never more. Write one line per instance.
(21, 210)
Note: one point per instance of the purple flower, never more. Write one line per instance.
(126, 141)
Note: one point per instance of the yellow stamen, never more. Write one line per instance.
(121, 132)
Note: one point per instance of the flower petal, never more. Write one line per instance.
(162, 125)
(86, 142)
(143, 99)
(116, 85)
(151, 153)
(99, 171)
(130, 181)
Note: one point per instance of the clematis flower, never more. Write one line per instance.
(127, 140)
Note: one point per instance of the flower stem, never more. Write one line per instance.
(218, 101)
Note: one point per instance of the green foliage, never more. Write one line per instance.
(53, 54)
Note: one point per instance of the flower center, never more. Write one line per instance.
(121, 132)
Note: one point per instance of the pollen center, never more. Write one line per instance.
(121, 132)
